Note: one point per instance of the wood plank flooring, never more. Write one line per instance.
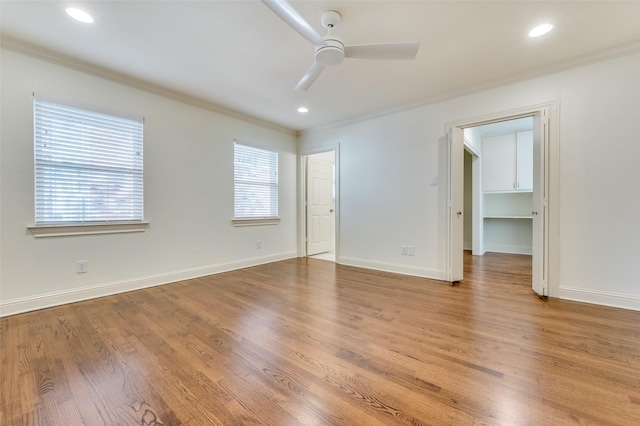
(308, 342)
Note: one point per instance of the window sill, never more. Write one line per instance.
(45, 231)
(255, 221)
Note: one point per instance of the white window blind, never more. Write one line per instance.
(88, 166)
(255, 182)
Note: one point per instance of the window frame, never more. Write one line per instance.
(104, 225)
(256, 220)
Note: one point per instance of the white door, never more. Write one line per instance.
(540, 212)
(456, 204)
(320, 203)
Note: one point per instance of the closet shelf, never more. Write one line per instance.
(509, 191)
(507, 217)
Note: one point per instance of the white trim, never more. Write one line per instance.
(56, 58)
(47, 300)
(616, 300)
(39, 52)
(301, 205)
(302, 197)
(64, 230)
(336, 217)
(80, 104)
(496, 117)
(395, 268)
(552, 176)
(255, 221)
(449, 141)
(319, 149)
(612, 53)
(470, 148)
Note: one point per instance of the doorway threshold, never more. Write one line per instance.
(330, 256)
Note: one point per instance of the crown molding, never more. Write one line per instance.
(23, 47)
(572, 63)
(57, 58)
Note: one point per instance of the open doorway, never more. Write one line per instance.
(320, 193)
(498, 199)
(502, 189)
(539, 213)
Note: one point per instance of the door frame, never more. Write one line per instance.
(302, 198)
(477, 230)
(549, 113)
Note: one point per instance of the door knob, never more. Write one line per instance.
(459, 214)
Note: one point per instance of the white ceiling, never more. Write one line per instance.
(240, 56)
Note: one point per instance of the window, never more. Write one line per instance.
(88, 167)
(255, 181)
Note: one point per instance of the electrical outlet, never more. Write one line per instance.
(404, 250)
(259, 244)
(82, 266)
(411, 251)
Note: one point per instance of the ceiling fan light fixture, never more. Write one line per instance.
(330, 54)
(540, 30)
(79, 15)
(330, 50)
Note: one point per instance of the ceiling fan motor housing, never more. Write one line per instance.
(332, 53)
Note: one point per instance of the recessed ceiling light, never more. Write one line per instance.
(540, 30)
(79, 15)
(303, 110)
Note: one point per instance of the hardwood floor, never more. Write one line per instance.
(309, 342)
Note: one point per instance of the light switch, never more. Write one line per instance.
(434, 180)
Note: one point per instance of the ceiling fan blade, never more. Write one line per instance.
(382, 51)
(288, 14)
(310, 76)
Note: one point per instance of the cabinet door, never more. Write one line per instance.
(499, 163)
(524, 167)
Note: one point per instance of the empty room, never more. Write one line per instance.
(319, 212)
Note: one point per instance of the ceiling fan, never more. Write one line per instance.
(330, 50)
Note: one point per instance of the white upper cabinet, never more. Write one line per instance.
(499, 163)
(524, 161)
(507, 162)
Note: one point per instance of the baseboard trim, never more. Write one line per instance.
(508, 249)
(47, 300)
(394, 268)
(615, 300)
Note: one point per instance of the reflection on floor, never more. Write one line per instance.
(330, 256)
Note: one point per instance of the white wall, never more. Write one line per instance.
(385, 202)
(188, 179)
(384, 192)
(386, 162)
